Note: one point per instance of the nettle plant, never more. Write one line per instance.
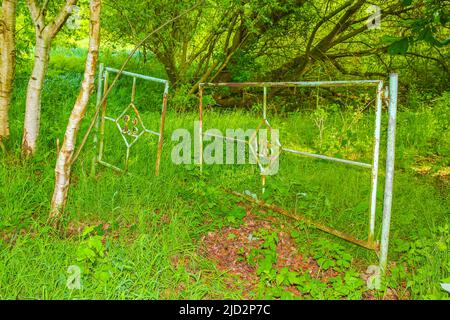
(422, 261)
(330, 255)
(92, 255)
(275, 282)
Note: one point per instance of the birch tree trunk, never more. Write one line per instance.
(34, 91)
(64, 161)
(45, 33)
(7, 62)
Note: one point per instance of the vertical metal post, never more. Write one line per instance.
(265, 104)
(161, 129)
(390, 162)
(127, 159)
(263, 183)
(133, 90)
(97, 120)
(376, 160)
(102, 119)
(264, 177)
(200, 136)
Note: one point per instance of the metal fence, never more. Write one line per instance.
(388, 94)
(129, 123)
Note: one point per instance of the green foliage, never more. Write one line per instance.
(267, 40)
(418, 264)
(274, 282)
(331, 255)
(397, 45)
(349, 286)
(92, 254)
(151, 250)
(234, 216)
(424, 27)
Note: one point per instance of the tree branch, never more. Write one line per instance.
(61, 18)
(35, 12)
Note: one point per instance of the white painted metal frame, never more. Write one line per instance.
(125, 132)
(374, 166)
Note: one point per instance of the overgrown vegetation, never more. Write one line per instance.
(179, 235)
(133, 241)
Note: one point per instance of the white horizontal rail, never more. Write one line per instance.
(319, 156)
(137, 75)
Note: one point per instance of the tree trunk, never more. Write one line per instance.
(34, 91)
(7, 62)
(64, 161)
(45, 33)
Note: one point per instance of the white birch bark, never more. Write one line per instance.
(7, 62)
(33, 100)
(45, 33)
(64, 161)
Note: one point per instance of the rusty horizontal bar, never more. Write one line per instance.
(319, 156)
(365, 244)
(137, 75)
(294, 84)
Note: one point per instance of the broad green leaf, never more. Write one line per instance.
(407, 2)
(399, 47)
(387, 39)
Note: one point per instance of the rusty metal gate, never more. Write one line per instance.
(388, 94)
(129, 123)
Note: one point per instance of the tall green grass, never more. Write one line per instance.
(154, 250)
